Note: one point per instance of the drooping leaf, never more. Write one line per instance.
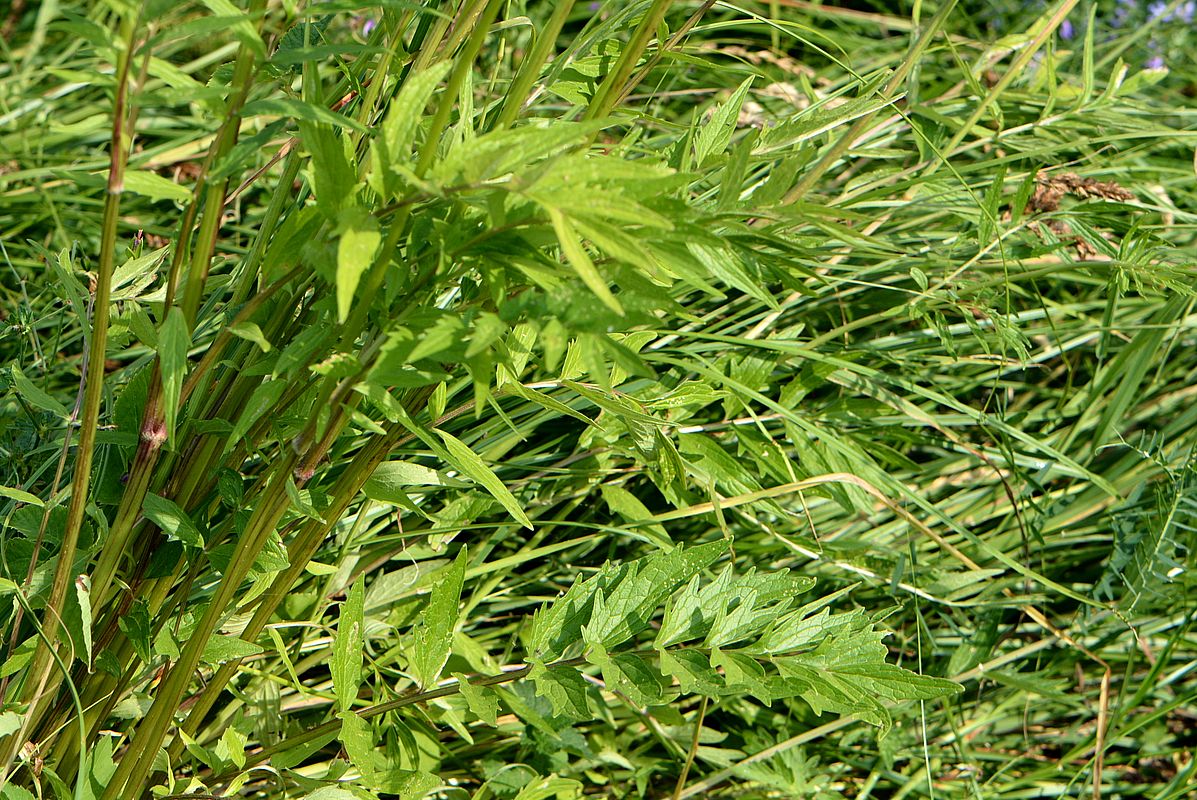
(21, 496)
(469, 464)
(481, 699)
(264, 397)
(580, 260)
(155, 187)
(251, 333)
(221, 648)
(83, 596)
(34, 396)
(299, 110)
(357, 736)
(172, 519)
(633, 677)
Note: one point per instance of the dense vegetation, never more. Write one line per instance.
(499, 399)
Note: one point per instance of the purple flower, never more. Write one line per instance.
(1155, 62)
(1066, 29)
(368, 26)
(1121, 13)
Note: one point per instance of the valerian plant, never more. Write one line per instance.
(481, 399)
(420, 238)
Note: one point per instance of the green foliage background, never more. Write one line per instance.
(494, 399)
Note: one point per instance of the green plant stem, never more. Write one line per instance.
(281, 199)
(890, 90)
(1054, 19)
(299, 553)
(131, 774)
(301, 550)
(532, 64)
(612, 87)
(216, 349)
(253, 759)
(93, 389)
(214, 196)
(461, 69)
(150, 441)
(661, 50)
(356, 322)
(464, 23)
(693, 751)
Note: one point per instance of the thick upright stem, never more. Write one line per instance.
(530, 68)
(612, 87)
(136, 763)
(44, 656)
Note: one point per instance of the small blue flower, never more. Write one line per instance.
(1066, 30)
(1155, 62)
(1122, 12)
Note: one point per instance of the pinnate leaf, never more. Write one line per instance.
(564, 687)
(630, 605)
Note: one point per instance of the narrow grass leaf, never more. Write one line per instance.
(466, 461)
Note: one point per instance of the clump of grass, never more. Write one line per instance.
(438, 400)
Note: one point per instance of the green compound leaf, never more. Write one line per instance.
(565, 688)
(629, 606)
